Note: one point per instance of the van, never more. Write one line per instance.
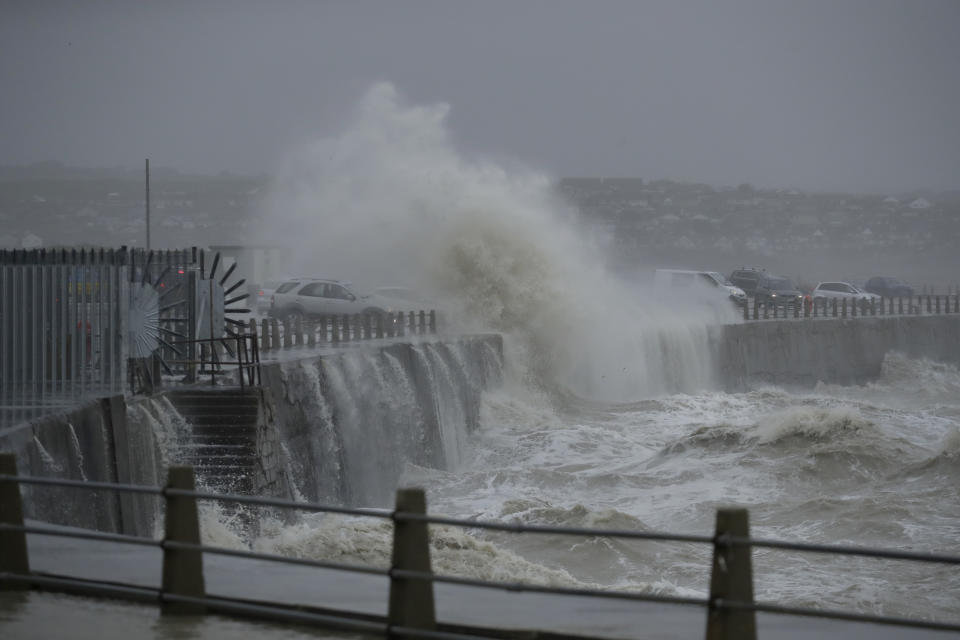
(679, 280)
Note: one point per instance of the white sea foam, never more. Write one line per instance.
(391, 199)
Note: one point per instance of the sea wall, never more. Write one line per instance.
(351, 421)
(340, 426)
(842, 351)
(104, 440)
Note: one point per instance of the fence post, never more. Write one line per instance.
(275, 334)
(13, 544)
(746, 310)
(938, 304)
(265, 334)
(182, 568)
(411, 599)
(756, 311)
(398, 326)
(287, 333)
(413, 323)
(731, 579)
(311, 334)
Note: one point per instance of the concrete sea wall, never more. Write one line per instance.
(841, 351)
(338, 427)
(348, 423)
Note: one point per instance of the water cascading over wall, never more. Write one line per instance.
(349, 423)
(105, 440)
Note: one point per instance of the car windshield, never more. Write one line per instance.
(720, 278)
(779, 284)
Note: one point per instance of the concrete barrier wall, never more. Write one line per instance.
(841, 351)
(350, 421)
(327, 431)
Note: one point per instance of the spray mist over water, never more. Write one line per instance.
(389, 201)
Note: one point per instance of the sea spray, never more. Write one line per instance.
(393, 202)
(48, 461)
(78, 454)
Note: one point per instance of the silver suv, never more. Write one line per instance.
(310, 297)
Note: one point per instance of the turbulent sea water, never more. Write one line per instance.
(608, 415)
(874, 465)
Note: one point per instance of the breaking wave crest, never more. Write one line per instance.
(810, 423)
(391, 199)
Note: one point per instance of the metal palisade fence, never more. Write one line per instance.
(65, 322)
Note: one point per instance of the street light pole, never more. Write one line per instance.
(148, 203)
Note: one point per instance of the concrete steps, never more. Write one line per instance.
(222, 441)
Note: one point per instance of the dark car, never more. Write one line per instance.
(767, 288)
(748, 278)
(888, 287)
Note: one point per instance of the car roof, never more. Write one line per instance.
(330, 280)
(683, 271)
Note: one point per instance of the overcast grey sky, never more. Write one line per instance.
(833, 94)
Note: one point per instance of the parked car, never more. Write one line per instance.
(827, 290)
(777, 290)
(888, 287)
(261, 294)
(747, 278)
(680, 279)
(310, 297)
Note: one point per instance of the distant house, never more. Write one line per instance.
(920, 203)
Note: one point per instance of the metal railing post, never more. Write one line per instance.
(731, 579)
(411, 599)
(13, 544)
(265, 334)
(182, 568)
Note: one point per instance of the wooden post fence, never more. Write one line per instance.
(731, 580)
(411, 599)
(13, 544)
(182, 568)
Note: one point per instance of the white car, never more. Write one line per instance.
(263, 293)
(311, 297)
(683, 280)
(826, 290)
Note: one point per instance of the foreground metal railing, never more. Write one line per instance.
(730, 607)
